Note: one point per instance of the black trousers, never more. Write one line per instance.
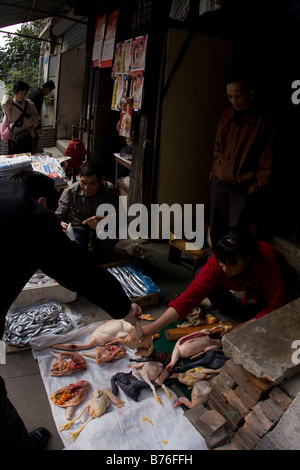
(228, 208)
(13, 433)
(233, 206)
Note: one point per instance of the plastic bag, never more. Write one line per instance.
(5, 129)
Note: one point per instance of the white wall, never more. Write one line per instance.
(191, 110)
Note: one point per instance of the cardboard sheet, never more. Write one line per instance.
(125, 428)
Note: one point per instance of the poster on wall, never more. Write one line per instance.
(125, 118)
(119, 91)
(126, 56)
(98, 41)
(128, 71)
(136, 88)
(117, 66)
(122, 58)
(139, 52)
(109, 41)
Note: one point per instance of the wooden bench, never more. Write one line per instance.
(177, 247)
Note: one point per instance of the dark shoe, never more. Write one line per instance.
(39, 438)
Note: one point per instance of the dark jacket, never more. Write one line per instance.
(243, 151)
(31, 238)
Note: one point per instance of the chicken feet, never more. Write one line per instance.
(96, 406)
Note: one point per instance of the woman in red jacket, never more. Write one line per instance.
(239, 263)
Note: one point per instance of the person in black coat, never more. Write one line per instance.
(31, 238)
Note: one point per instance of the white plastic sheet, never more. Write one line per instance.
(119, 428)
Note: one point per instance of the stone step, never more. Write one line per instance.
(290, 249)
(62, 145)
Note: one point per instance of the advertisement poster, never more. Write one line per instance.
(119, 91)
(136, 88)
(128, 72)
(109, 41)
(98, 42)
(125, 118)
(139, 52)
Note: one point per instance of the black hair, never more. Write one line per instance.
(91, 169)
(238, 243)
(39, 185)
(20, 86)
(247, 83)
(50, 84)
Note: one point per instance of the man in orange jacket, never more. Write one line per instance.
(242, 161)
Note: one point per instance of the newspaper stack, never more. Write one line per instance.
(50, 166)
(11, 164)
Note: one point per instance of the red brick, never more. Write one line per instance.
(271, 410)
(266, 423)
(221, 385)
(244, 397)
(255, 424)
(280, 397)
(227, 379)
(217, 401)
(230, 446)
(264, 384)
(230, 396)
(237, 403)
(194, 413)
(219, 438)
(245, 438)
(211, 421)
(239, 375)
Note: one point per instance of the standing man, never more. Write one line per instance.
(242, 161)
(37, 96)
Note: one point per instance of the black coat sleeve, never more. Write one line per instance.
(76, 269)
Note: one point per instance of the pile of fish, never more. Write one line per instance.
(25, 324)
(135, 284)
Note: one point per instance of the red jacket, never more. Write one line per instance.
(263, 274)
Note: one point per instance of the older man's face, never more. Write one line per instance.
(90, 185)
(239, 98)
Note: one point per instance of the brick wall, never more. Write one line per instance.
(240, 410)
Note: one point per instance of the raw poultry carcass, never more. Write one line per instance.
(69, 397)
(106, 353)
(128, 383)
(192, 376)
(96, 406)
(200, 393)
(132, 342)
(159, 356)
(105, 333)
(66, 363)
(149, 371)
(213, 359)
(192, 346)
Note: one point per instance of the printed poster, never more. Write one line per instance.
(119, 91)
(139, 52)
(98, 41)
(136, 88)
(109, 41)
(125, 118)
